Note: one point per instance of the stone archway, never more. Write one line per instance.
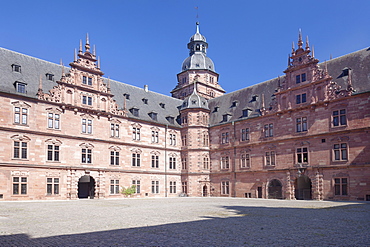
(303, 188)
(86, 187)
(275, 189)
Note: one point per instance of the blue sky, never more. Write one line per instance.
(145, 41)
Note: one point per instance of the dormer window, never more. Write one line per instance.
(16, 68)
(153, 116)
(225, 117)
(126, 95)
(50, 77)
(20, 87)
(162, 105)
(246, 112)
(193, 102)
(145, 101)
(216, 109)
(170, 119)
(134, 111)
(234, 104)
(254, 98)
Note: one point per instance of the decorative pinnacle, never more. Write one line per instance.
(300, 42)
(293, 48)
(80, 50)
(307, 44)
(75, 56)
(313, 51)
(87, 45)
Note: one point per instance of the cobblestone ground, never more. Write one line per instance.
(184, 222)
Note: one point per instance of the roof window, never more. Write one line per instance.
(234, 103)
(145, 101)
(153, 116)
(49, 76)
(16, 68)
(216, 109)
(126, 95)
(170, 119)
(134, 111)
(20, 87)
(162, 105)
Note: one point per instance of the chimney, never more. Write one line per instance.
(146, 88)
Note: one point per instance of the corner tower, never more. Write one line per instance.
(199, 69)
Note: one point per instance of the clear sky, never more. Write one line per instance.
(145, 41)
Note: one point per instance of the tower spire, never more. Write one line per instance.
(80, 49)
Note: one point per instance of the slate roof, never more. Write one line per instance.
(251, 97)
(32, 68)
(231, 104)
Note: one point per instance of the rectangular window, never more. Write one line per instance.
(173, 139)
(184, 163)
(114, 186)
(155, 136)
(270, 158)
(135, 159)
(89, 81)
(184, 186)
(21, 87)
(340, 152)
(86, 156)
(225, 162)
(205, 163)
(298, 79)
(301, 124)
(225, 137)
(20, 150)
(19, 185)
(87, 126)
(155, 187)
(245, 134)
(114, 130)
(20, 115)
(172, 187)
(302, 155)
(155, 161)
(52, 186)
(244, 161)
(225, 190)
(53, 153)
(303, 77)
(339, 118)
(184, 140)
(84, 79)
(53, 121)
(172, 163)
(114, 158)
(269, 130)
(341, 186)
(136, 183)
(301, 98)
(136, 134)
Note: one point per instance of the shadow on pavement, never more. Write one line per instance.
(241, 226)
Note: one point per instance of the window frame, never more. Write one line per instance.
(341, 186)
(340, 150)
(114, 187)
(225, 188)
(52, 186)
(19, 187)
(339, 118)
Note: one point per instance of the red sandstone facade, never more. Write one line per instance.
(78, 135)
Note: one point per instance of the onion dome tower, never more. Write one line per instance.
(197, 68)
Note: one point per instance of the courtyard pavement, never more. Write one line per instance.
(184, 222)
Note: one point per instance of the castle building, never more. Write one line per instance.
(69, 132)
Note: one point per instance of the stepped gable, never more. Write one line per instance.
(353, 68)
(32, 69)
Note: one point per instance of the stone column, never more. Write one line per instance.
(288, 190)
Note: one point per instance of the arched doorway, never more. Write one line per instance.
(275, 189)
(303, 188)
(86, 187)
(205, 191)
